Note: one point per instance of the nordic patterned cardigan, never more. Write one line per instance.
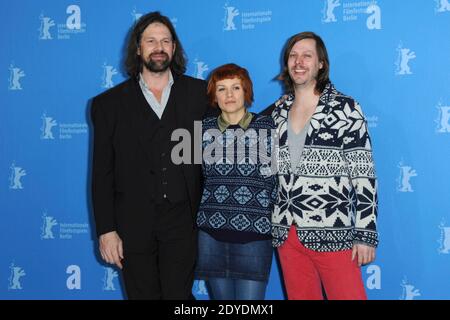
(331, 196)
(238, 195)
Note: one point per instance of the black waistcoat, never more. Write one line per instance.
(169, 181)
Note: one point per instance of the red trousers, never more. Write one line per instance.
(305, 271)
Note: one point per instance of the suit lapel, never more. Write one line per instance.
(179, 101)
(144, 120)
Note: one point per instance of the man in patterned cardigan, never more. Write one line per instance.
(324, 224)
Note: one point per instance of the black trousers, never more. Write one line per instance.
(166, 270)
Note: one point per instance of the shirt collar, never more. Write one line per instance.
(243, 123)
(144, 85)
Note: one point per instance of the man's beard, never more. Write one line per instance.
(157, 66)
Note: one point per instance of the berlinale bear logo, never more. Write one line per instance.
(230, 14)
(14, 279)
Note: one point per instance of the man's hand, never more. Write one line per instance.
(366, 254)
(110, 246)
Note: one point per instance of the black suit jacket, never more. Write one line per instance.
(122, 173)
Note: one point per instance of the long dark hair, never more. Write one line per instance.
(133, 63)
(324, 73)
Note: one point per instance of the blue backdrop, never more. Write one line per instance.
(392, 56)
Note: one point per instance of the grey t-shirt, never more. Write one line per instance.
(296, 142)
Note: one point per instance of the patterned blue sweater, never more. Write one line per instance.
(239, 190)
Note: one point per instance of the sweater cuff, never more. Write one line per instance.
(367, 237)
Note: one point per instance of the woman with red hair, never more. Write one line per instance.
(234, 217)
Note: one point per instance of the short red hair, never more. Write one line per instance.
(230, 71)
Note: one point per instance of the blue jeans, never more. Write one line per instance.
(236, 289)
(240, 261)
